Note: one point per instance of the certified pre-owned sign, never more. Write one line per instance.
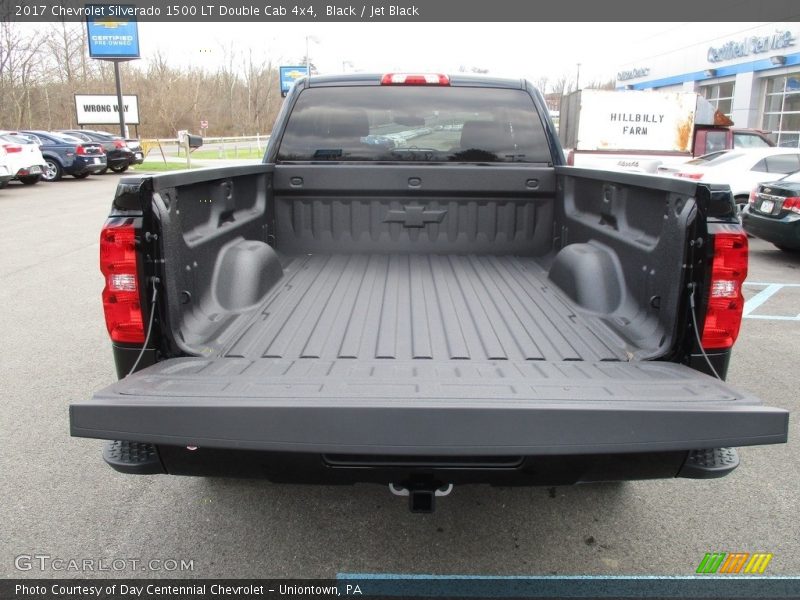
(104, 109)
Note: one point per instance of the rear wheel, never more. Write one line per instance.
(741, 202)
(52, 170)
(30, 179)
(119, 168)
(81, 175)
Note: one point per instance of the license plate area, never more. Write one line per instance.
(766, 206)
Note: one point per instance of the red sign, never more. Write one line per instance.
(203, 124)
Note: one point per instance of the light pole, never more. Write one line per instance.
(578, 78)
(314, 39)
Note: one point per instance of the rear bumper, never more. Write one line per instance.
(86, 165)
(119, 160)
(601, 408)
(337, 469)
(30, 170)
(783, 232)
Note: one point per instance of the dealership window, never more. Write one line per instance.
(782, 109)
(720, 95)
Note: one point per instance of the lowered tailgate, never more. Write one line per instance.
(427, 407)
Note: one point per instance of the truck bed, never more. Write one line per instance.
(436, 307)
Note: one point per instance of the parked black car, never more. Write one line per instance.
(118, 155)
(66, 154)
(773, 213)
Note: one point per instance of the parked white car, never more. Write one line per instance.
(740, 168)
(23, 158)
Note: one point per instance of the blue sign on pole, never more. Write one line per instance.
(111, 37)
(289, 75)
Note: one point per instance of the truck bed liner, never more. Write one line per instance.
(437, 307)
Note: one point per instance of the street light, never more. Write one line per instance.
(314, 39)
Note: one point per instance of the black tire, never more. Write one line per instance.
(3, 184)
(52, 170)
(741, 202)
(119, 168)
(787, 249)
(81, 175)
(30, 179)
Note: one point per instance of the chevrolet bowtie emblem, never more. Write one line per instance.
(414, 216)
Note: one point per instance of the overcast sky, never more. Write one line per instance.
(530, 50)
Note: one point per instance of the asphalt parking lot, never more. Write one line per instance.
(59, 499)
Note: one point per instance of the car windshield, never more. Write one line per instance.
(17, 139)
(99, 135)
(63, 137)
(792, 177)
(701, 160)
(723, 158)
(418, 124)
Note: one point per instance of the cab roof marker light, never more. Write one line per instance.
(415, 79)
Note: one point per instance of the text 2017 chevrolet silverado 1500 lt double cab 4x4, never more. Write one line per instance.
(412, 289)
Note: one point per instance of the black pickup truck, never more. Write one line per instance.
(414, 290)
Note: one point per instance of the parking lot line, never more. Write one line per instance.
(773, 317)
(770, 289)
(761, 297)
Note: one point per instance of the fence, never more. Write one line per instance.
(247, 146)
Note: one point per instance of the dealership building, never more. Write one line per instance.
(752, 76)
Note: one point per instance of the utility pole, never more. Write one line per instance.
(314, 39)
(578, 78)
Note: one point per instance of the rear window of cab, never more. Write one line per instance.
(414, 123)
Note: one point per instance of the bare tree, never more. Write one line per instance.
(41, 71)
(20, 62)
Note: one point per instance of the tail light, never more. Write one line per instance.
(121, 304)
(415, 79)
(751, 200)
(725, 300)
(13, 148)
(80, 150)
(695, 176)
(792, 204)
(119, 144)
(571, 158)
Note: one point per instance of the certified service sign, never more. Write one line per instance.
(113, 37)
